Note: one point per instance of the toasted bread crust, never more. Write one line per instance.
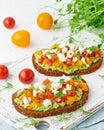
(91, 69)
(65, 109)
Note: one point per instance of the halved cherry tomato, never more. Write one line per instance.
(44, 20)
(26, 76)
(4, 72)
(9, 22)
(21, 38)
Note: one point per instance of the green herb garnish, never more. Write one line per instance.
(84, 111)
(61, 81)
(79, 77)
(80, 14)
(28, 122)
(8, 86)
(59, 94)
(102, 76)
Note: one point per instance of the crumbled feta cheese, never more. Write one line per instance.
(75, 59)
(83, 60)
(70, 54)
(88, 51)
(49, 56)
(55, 85)
(68, 87)
(35, 93)
(81, 49)
(64, 91)
(47, 102)
(64, 50)
(62, 57)
(54, 91)
(26, 102)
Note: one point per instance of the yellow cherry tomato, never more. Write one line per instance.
(45, 20)
(21, 38)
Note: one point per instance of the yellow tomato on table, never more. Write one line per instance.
(21, 38)
(45, 20)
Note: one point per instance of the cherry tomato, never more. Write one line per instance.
(3, 72)
(9, 22)
(26, 76)
(45, 20)
(21, 38)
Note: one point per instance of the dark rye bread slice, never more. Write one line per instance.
(50, 72)
(53, 112)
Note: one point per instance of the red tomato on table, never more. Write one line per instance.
(3, 72)
(26, 76)
(9, 22)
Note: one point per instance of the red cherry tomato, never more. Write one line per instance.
(26, 76)
(9, 22)
(3, 72)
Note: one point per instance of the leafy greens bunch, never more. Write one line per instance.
(80, 14)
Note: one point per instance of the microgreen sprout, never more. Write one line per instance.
(102, 76)
(84, 111)
(28, 122)
(7, 86)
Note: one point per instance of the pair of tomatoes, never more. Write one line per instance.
(26, 75)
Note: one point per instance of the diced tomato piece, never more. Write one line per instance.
(83, 54)
(42, 59)
(50, 62)
(40, 96)
(64, 98)
(49, 94)
(68, 62)
(73, 93)
(46, 81)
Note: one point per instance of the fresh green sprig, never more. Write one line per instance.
(27, 122)
(101, 76)
(80, 14)
(84, 111)
(8, 86)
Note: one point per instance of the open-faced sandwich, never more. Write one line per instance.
(70, 59)
(50, 98)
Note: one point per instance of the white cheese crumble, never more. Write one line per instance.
(35, 93)
(68, 87)
(47, 102)
(62, 57)
(81, 49)
(64, 50)
(26, 102)
(70, 54)
(55, 85)
(49, 56)
(75, 59)
(64, 91)
(83, 60)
